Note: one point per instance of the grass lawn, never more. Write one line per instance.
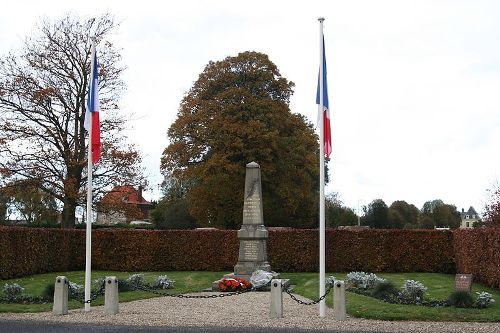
(439, 287)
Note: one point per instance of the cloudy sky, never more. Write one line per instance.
(414, 86)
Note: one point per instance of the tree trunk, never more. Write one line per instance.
(68, 214)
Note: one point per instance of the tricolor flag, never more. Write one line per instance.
(327, 136)
(92, 113)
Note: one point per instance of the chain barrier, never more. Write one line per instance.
(289, 292)
(93, 296)
(227, 294)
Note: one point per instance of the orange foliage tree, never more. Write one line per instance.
(492, 208)
(235, 113)
(43, 101)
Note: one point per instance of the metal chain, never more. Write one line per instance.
(93, 296)
(289, 292)
(234, 293)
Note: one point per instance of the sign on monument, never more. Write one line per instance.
(463, 282)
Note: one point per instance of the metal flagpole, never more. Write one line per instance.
(322, 305)
(88, 242)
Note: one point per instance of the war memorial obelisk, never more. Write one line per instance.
(252, 235)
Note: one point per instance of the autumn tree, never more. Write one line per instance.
(403, 215)
(43, 101)
(31, 203)
(237, 112)
(492, 208)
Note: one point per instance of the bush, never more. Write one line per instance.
(135, 281)
(12, 291)
(413, 292)
(483, 300)
(385, 290)
(163, 282)
(460, 299)
(75, 291)
(362, 280)
(48, 292)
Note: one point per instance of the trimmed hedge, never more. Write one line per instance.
(155, 250)
(293, 250)
(478, 253)
(25, 251)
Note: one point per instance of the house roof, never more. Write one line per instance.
(127, 194)
(471, 212)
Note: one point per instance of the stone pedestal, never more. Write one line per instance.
(339, 310)
(252, 235)
(60, 306)
(276, 310)
(111, 297)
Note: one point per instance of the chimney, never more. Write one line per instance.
(140, 194)
(463, 210)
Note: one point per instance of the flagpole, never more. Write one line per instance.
(88, 236)
(322, 305)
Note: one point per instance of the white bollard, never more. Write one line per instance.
(339, 312)
(111, 295)
(276, 299)
(60, 306)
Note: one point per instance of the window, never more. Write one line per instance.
(466, 216)
(467, 224)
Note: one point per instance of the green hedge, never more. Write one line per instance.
(478, 253)
(25, 251)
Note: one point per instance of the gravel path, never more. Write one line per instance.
(246, 310)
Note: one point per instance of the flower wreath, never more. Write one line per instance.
(234, 284)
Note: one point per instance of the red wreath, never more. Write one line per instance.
(234, 284)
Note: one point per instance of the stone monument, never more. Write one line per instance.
(463, 282)
(252, 235)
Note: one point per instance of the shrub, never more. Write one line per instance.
(123, 286)
(460, 299)
(483, 300)
(362, 280)
(135, 281)
(12, 291)
(98, 284)
(163, 282)
(385, 290)
(413, 292)
(75, 291)
(48, 292)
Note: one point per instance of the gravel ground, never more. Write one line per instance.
(246, 310)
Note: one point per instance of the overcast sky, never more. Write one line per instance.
(414, 86)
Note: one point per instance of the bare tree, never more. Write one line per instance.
(42, 107)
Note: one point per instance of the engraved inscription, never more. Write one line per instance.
(251, 250)
(251, 211)
(463, 282)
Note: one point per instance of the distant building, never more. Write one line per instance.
(123, 204)
(469, 218)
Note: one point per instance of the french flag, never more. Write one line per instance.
(92, 113)
(327, 135)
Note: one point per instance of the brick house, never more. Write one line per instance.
(123, 204)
